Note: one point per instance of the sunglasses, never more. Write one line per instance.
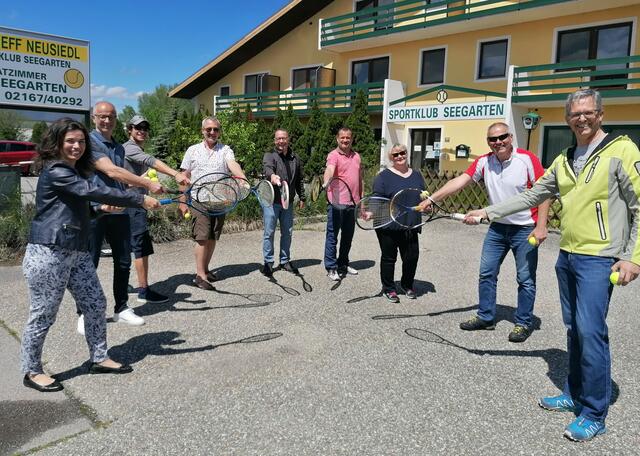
(498, 138)
(212, 129)
(399, 154)
(141, 127)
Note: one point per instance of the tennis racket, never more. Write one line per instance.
(263, 190)
(373, 212)
(211, 194)
(338, 193)
(406, 213)
(284, 194)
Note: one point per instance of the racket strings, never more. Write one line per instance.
(215, 195)
(264, 190)
(374, 212)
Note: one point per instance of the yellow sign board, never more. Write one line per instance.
(44, 71)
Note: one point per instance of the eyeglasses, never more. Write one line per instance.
(402, 153)
(586, 114)
(104, 117)
(493, 139)
(212, 129)
(141, 127)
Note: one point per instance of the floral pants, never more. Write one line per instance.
(50, 270)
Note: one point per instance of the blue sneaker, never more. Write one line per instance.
(561, 403)
(583, 429)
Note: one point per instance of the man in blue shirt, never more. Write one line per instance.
(113, 224)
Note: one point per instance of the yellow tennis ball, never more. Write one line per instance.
(424, 194)
(614, 277)
(533, 241)
(187, 215)
(152, 173)
(154, 179)
(73, 78)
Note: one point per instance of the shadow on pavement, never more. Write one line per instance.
(556, 359)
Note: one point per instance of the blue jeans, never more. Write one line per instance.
(499, 240)
(270, 216)
(338, 220)
(585, 291)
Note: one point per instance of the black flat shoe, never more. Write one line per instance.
(98, 369)
(52, 387)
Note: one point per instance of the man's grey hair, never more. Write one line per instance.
(210, 119)
(499, 124)
(579, 95)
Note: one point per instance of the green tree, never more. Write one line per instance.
(38, 130)
(126, 114)
(293, 125)
(10, 125)
(363, 139)
(306, 142)
(263, 140)
(324, 142)
(239, 133)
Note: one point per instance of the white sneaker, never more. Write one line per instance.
(333, 275)
(352, 271)
(80, 327)
(129, 317)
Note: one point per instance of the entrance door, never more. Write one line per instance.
(423, 154)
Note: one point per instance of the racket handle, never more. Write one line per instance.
(165, 201)
(461, 217)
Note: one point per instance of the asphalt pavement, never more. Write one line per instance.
(305, 366)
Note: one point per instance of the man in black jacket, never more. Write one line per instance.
(281, 165)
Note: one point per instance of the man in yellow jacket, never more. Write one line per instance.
(598, 181)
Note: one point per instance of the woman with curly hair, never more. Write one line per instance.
(57, 257)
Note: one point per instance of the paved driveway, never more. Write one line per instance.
(267, 368)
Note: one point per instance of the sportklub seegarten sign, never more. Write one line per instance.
(460, 111)
(43, 71)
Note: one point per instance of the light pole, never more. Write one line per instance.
(530, 122)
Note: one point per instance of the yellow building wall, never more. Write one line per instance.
(530, 43)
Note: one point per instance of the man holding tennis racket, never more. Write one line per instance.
(598, 180)
(506, 172)
(281, 165)
(344, 163)
(208, 156)
(113, 224)
(139, 163)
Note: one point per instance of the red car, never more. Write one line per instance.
(14, 152)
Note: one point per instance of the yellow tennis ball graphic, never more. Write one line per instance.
(73, 78)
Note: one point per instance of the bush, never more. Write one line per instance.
(15, 222)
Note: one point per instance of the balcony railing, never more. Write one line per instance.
(334, 99)
(415, 14)
(613, 77)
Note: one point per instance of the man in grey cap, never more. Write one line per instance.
(140, 164)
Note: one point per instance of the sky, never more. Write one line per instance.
(138, 45)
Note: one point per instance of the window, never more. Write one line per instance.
(381, 22)
(558, 137)
(493, 59)
(224, 91)
(372, 70)
(432, 66)
(599, 42)
(305, 78)
(253, 83)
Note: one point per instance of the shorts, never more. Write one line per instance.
(141, 244)
(205, 227)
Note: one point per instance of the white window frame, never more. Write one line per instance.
(360, 59)
(620, 20)
(253, 73)
(420, 62)
(476, 75)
